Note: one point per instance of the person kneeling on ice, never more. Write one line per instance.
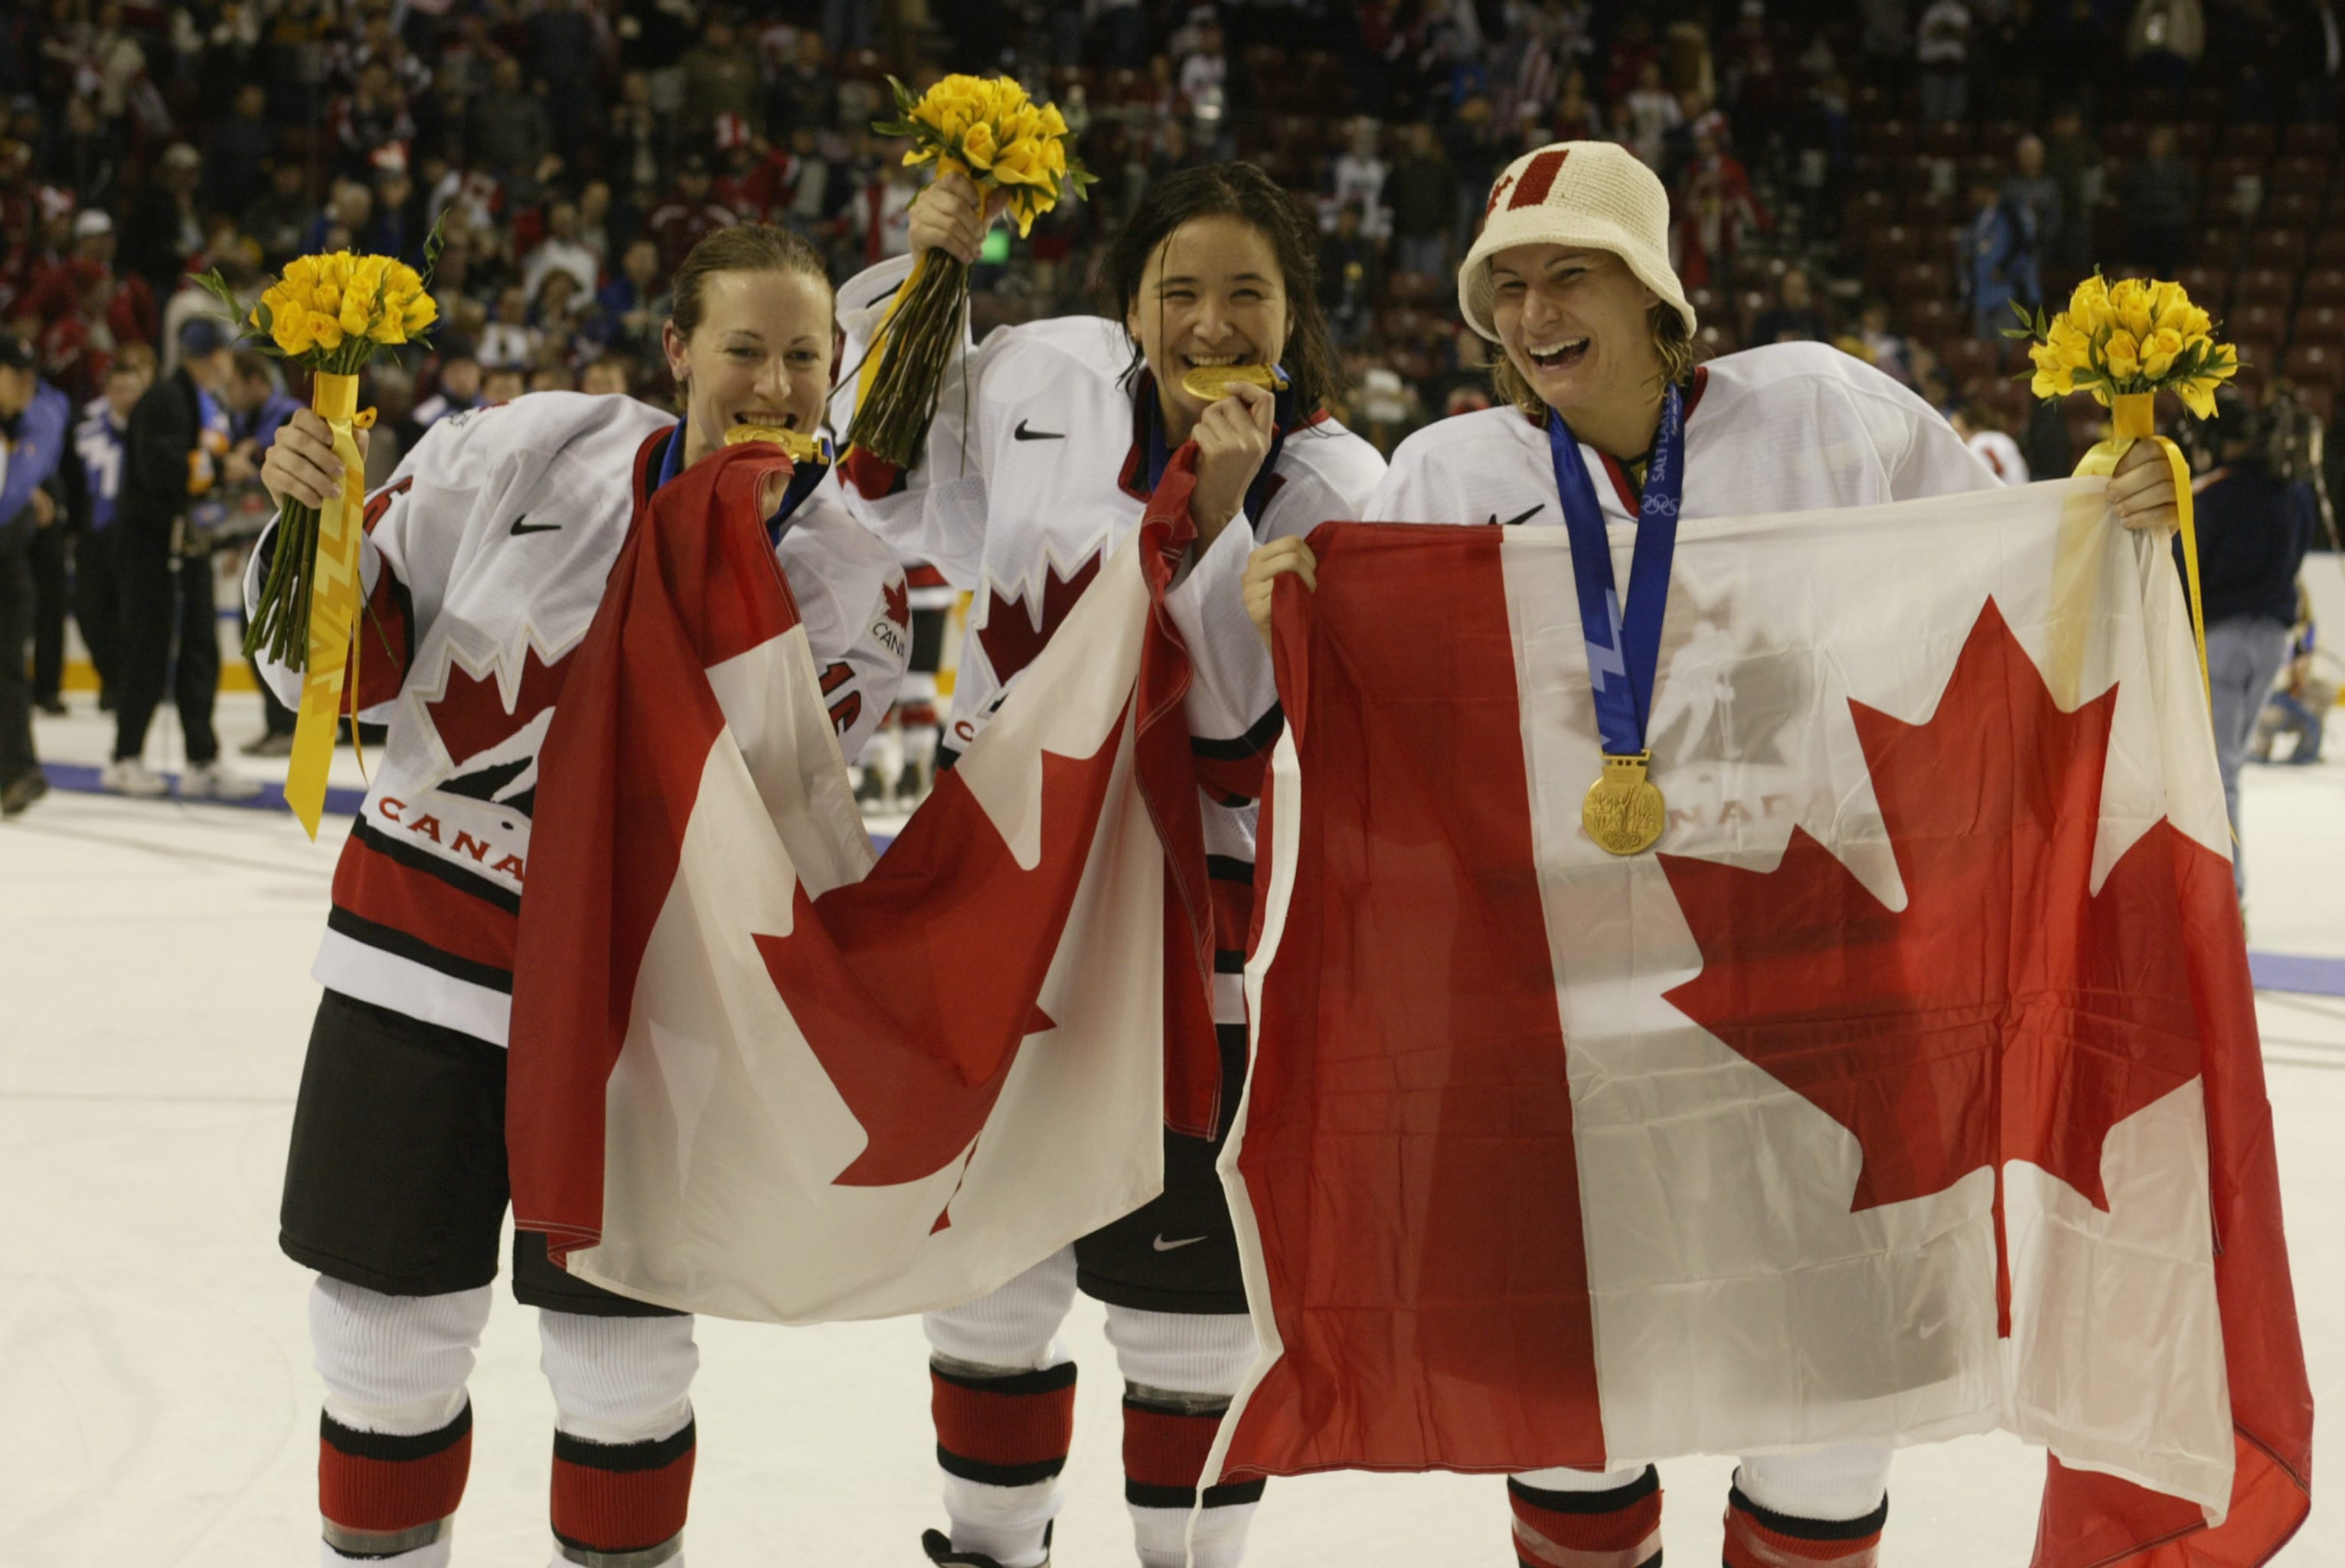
(1030, 478)
(486, 558)
(1605, 419)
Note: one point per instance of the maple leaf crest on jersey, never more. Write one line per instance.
(471, 624)
(1014, 633)
(492, 745)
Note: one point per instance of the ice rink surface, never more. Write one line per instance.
(156, 1403)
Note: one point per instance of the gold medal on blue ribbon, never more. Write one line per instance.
(1623, 810)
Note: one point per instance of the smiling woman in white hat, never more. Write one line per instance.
(1571, 278)
(1607, 419)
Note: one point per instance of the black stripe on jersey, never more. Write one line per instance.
(416, 859)
(1229, 869)
(1183, 1498)
(619, 1458)
(1049, 1380)
(1252, 743)
(986, 1474)
(1229, 960)
(391, 1449)
(399, 944)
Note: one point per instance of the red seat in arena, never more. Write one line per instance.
(2208, 286)
(2319, 324)
(2262, 286)
(2279, 247)
(2216, 244)
(2313, 138)
(1890, 138)
(2248, 140)
(2260, 353)
(2298, 209)
(2298, 171)
(2309, 364)
(2258, 320)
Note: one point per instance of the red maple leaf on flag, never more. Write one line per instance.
(470, 715)
(899, 602)
(2007, 1012)
(1013, 638)
(916, 986)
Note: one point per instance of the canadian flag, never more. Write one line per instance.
(1910, 1088)
(761, 1072)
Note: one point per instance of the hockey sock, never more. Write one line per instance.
(389, 1496)
(1002, 1441)
(1166, 1437)
(623, 1440)
(395, 1441)
(622, 1505)
(1613, 1526)
(1759, 1537)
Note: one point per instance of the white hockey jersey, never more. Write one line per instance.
(1037, 467)
(484, 561)
(1788, 427)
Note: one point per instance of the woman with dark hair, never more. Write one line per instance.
(484, 561)
(1047, 442)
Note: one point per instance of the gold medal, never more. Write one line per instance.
(1624, 812)
(1214, 383)
(800, 445)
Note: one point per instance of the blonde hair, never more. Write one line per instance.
(1671, 342)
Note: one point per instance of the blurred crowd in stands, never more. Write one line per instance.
(1891, 176)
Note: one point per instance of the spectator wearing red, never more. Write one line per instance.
(689, 215)
(760, 180)
(128, 309)
(1716, 207)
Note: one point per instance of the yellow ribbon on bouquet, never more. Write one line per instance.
(2133, 417)
(333, 653)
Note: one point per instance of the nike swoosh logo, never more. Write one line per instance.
(1165, 1245)
(1518, 517)
(519, 528)
(1022, 434)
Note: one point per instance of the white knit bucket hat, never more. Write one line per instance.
(1593, 194)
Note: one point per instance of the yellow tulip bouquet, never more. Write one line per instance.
(987, 128)
(330, 314)
(2127, 338)
(2125, 343)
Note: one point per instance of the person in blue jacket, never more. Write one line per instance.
(33, 418)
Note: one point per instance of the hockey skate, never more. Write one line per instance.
(941, 1552)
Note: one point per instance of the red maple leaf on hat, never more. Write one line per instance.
(2007, 1012)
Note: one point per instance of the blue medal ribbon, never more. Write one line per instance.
(1623, 652)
